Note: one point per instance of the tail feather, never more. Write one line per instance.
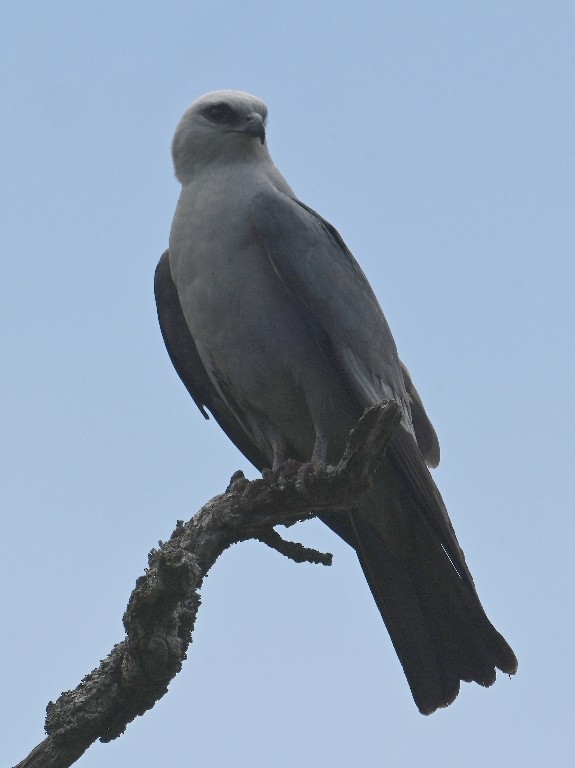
(438, 627)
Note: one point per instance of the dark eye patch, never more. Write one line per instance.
(220, 113)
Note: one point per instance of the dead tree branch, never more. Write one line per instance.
(160, 616)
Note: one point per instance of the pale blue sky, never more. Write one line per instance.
(439, 138)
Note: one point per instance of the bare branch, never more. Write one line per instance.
(293, 549)
(160, 616)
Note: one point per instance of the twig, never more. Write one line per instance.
(294, 550)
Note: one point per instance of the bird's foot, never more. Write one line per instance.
(308, 473)
(291, 472)
(282, 473)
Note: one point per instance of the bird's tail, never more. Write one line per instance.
(437, 625)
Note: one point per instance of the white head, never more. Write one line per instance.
(227, 125)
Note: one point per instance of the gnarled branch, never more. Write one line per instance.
(160, 616)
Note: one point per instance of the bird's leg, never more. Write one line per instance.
(280, 453)
(289, 467)
(318, 460)
(280, 463)
(319, 455)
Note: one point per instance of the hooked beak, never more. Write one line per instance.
(254, 126)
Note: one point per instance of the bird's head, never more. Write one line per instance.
(220, 125)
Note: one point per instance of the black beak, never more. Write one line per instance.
(254, 126)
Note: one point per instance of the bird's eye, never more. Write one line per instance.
(220, 113)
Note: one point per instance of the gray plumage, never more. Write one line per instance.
(274, 329)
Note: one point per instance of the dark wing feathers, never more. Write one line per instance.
(177, 338)
(424, 432)
(332, 295)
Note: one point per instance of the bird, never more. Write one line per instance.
(275, 331)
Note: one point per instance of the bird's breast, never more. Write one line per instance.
(248, 331)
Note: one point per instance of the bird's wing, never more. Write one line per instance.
(343, 315)
(424, 432)
(188, 364)
(332, 295)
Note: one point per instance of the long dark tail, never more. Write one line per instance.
(424, 591)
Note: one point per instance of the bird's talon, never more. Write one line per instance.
(307, 473)
(287, 470)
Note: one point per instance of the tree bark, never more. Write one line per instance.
(161, 612)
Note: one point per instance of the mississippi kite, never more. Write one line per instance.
(274, 329)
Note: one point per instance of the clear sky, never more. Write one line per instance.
(439, 138)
